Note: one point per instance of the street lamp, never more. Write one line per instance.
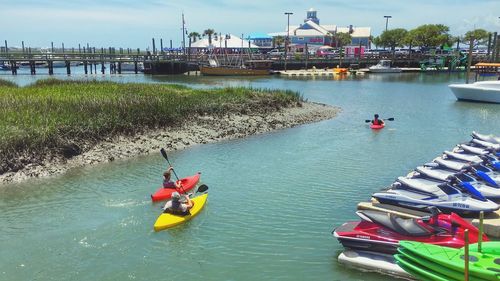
(387, 21)
(287, 36)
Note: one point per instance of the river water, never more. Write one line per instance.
(274, 199)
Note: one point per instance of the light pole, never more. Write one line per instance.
(387, 21)
(287, 36)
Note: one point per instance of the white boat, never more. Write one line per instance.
(130, 66)
(373, 262)
(484, 91)
(384, 66)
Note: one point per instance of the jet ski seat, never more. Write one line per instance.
(407, 227)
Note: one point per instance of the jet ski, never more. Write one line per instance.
(456, 179)
(487, 138)
(381, 232)
(422, 193)
(482, 171)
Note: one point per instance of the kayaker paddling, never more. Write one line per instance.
(167, 182)
(176, 207)
(376, 121)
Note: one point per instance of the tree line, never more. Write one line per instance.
(428, 36)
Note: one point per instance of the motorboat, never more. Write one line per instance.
(381, 232)
(484, 91)
(421, 193)
(384, 66)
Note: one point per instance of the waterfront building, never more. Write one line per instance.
(260, 39)
(316, 34)
(227, 41)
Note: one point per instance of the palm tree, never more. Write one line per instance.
(278, 40)
(209, 32)
(194, 36)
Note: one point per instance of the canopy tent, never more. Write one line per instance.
(226, 41)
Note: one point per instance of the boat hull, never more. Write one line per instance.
(479, 92)
(227, 71)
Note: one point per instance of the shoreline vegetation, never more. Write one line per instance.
(53, 125)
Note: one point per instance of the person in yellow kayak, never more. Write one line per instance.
(176, 207)
(377, 121)
(167, 182)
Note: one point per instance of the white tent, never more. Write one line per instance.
(230, 41)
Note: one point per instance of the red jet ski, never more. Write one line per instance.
(187, 184)
(381, 232)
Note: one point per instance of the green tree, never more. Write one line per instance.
(209, 32)
(194, 36)
(278, 41)
(393, 38)
(430, 35)
(377, 41)
(479, 37)
(343, 39)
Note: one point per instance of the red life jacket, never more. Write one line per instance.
(376, 122)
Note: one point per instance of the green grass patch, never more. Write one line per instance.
(51, 114)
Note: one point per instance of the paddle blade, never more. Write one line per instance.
(164, 154)
(368, 121)
(390, 119)
(202, 188)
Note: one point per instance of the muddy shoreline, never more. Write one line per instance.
(200, 130)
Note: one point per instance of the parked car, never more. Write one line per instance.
(327, 53)
(275, 53)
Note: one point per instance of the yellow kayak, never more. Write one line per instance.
(166, 220)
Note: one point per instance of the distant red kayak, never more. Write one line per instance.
(188, 183)
(377, 127)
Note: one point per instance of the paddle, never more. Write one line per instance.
(202, 188)
(164, 153)
(388, 119)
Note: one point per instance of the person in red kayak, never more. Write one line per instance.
(167, 182)
(377, 121)
(176, 207)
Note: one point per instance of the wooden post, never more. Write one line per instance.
(79, 48)
(85, 67)
(6, 47)
(51, 67)
(170, 44)
(68, 68)
(119, 67)
(33, 67)
(161, 46)
(489, 45)
(466, 255)
(103, 68)
(52, 47)
(469, 60)
(154, 47)
(63, 48)
(136, 69)
(22, 43)
(480, 238)
(13, 67)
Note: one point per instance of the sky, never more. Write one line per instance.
(132, 24)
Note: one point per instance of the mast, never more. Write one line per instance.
(183, 35)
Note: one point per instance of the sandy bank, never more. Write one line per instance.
(202, 129)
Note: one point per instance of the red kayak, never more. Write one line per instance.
(381, 232)
(377, 127)
(187, 184)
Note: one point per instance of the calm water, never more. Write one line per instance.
(274, 198)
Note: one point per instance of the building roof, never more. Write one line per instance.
(357, 31)
(259, 35)
(310, 28)
(233, 42)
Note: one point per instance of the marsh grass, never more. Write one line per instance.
(51, 115)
